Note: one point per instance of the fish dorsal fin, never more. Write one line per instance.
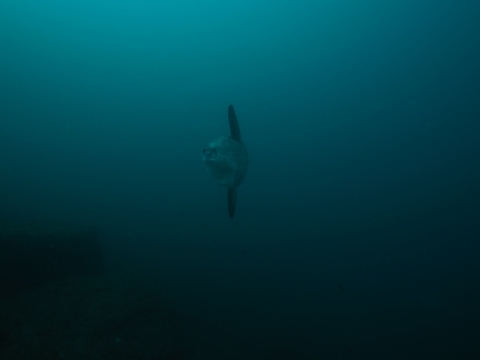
(234, 128)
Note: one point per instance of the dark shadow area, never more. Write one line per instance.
(63, 300)
(29, 259)
(102, 317)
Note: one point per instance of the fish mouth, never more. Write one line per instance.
(211, 155)
(221, 168)
(218, 161)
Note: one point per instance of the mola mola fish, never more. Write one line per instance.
(226, 159)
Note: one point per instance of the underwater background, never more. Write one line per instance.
(357, 228)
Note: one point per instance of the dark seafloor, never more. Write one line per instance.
(357, 229)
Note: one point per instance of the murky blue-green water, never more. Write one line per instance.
(356, 233)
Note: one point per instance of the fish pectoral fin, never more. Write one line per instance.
(232, 201)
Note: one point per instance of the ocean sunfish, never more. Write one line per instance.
(226, 159)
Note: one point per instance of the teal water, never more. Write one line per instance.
(356, 230)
